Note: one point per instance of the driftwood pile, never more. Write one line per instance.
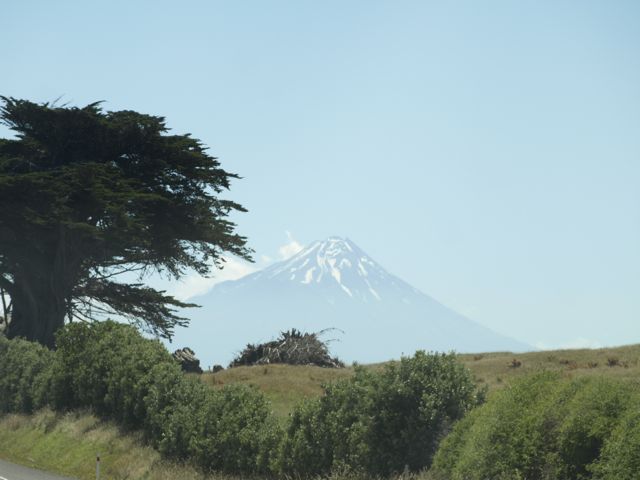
(187, 360)
(291, 347)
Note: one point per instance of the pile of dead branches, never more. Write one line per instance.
(187, 360)
(292, 347)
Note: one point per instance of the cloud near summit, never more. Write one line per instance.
(290, 248)
(234, 269)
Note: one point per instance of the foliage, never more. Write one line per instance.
(86, 195)
(620, 459)
(291, 347)
(230, 430)
(21, 365)
(237, 432)
(65, 443)
(106, 366)
(540, 427)
(173, 402)
(111, 369)
(379, 423)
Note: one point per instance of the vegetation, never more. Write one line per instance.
(111, 369)
(379, 423)
(22, 365)
(67, 444)
(86, 196)
(574, 422)
(395, 416)
(291, 347)
(496, 371)
(286, 385)
(546, 428)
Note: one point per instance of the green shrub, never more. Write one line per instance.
(237, 431)
(591, 416)
(620, 458)
(541, 427)
(22, 367)
(173, 403)
(106, 366)
(379, 423)
(229, 430)
(111, 369)
(78, 373)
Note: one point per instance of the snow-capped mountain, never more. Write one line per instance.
(332, 268)
(331, 284)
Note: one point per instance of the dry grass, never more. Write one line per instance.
(283, 385)
(496, 369)
(286, 385)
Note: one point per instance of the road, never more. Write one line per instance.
(11, 471)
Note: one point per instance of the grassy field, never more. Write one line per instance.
(497, 369)
(286, 385)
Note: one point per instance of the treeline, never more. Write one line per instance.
(375, 423)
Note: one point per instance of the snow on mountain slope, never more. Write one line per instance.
(331, 283)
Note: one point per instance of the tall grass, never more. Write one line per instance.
(67, 444)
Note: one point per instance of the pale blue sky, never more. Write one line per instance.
(486, 152)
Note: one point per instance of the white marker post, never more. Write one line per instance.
(97, 466)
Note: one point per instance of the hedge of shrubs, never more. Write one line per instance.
(111, 369)
(375, 423)
(545, 427)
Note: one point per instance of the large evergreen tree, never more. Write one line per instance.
(87, 195)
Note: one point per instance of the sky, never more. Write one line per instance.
(488, 153)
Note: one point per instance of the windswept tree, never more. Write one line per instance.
(88, 195)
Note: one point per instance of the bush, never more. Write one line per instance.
(106, 366)
(541, 427)
(231, 430)
(292, 347)
(620, 459)
(172, 404)
(23, 366)
(112, 369)
(238, 432)
(379, 423)
(591, 416)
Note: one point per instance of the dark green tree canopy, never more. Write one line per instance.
(87, 195)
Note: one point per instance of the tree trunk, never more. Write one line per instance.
(39, 308)
(40, 293)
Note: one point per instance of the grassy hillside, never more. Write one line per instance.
(68, 443)
(497, 369)
(286, 385)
